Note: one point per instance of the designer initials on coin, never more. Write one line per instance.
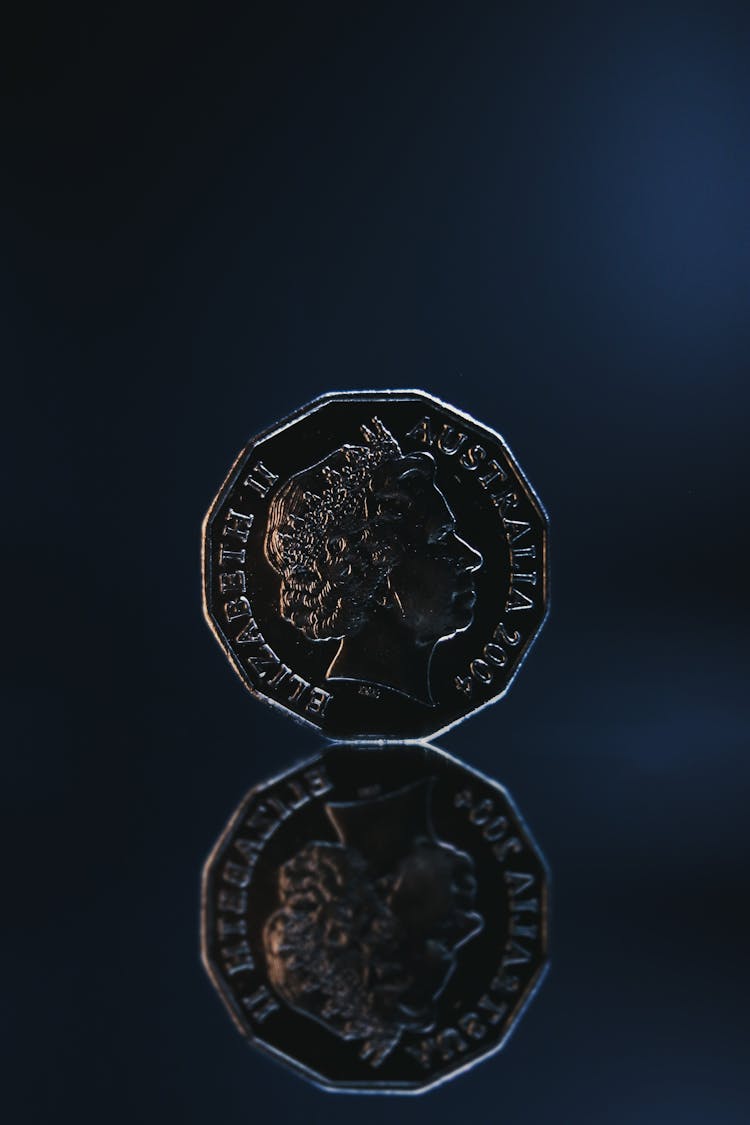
(376, 565)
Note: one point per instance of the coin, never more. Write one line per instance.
(376, 565)
(376, 918)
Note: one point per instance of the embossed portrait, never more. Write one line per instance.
(366, 933)
(366, 548)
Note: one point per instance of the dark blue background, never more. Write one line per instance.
(209, 217)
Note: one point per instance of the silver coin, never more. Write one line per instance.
(376, 918)
(376, 565)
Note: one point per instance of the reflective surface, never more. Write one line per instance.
(376, 919)
(541, 210)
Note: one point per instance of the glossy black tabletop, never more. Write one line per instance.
(209, 218)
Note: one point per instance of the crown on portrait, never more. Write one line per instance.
(342, 496)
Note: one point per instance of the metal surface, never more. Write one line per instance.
(376, 566)
(376, 918)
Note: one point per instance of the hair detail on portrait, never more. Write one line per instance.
(330, 945)
(323, 540)
(365, 546)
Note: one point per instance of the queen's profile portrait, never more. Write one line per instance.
(366, 549)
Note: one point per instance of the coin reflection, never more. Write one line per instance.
(376, 917)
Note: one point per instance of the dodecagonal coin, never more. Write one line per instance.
(376, 565)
